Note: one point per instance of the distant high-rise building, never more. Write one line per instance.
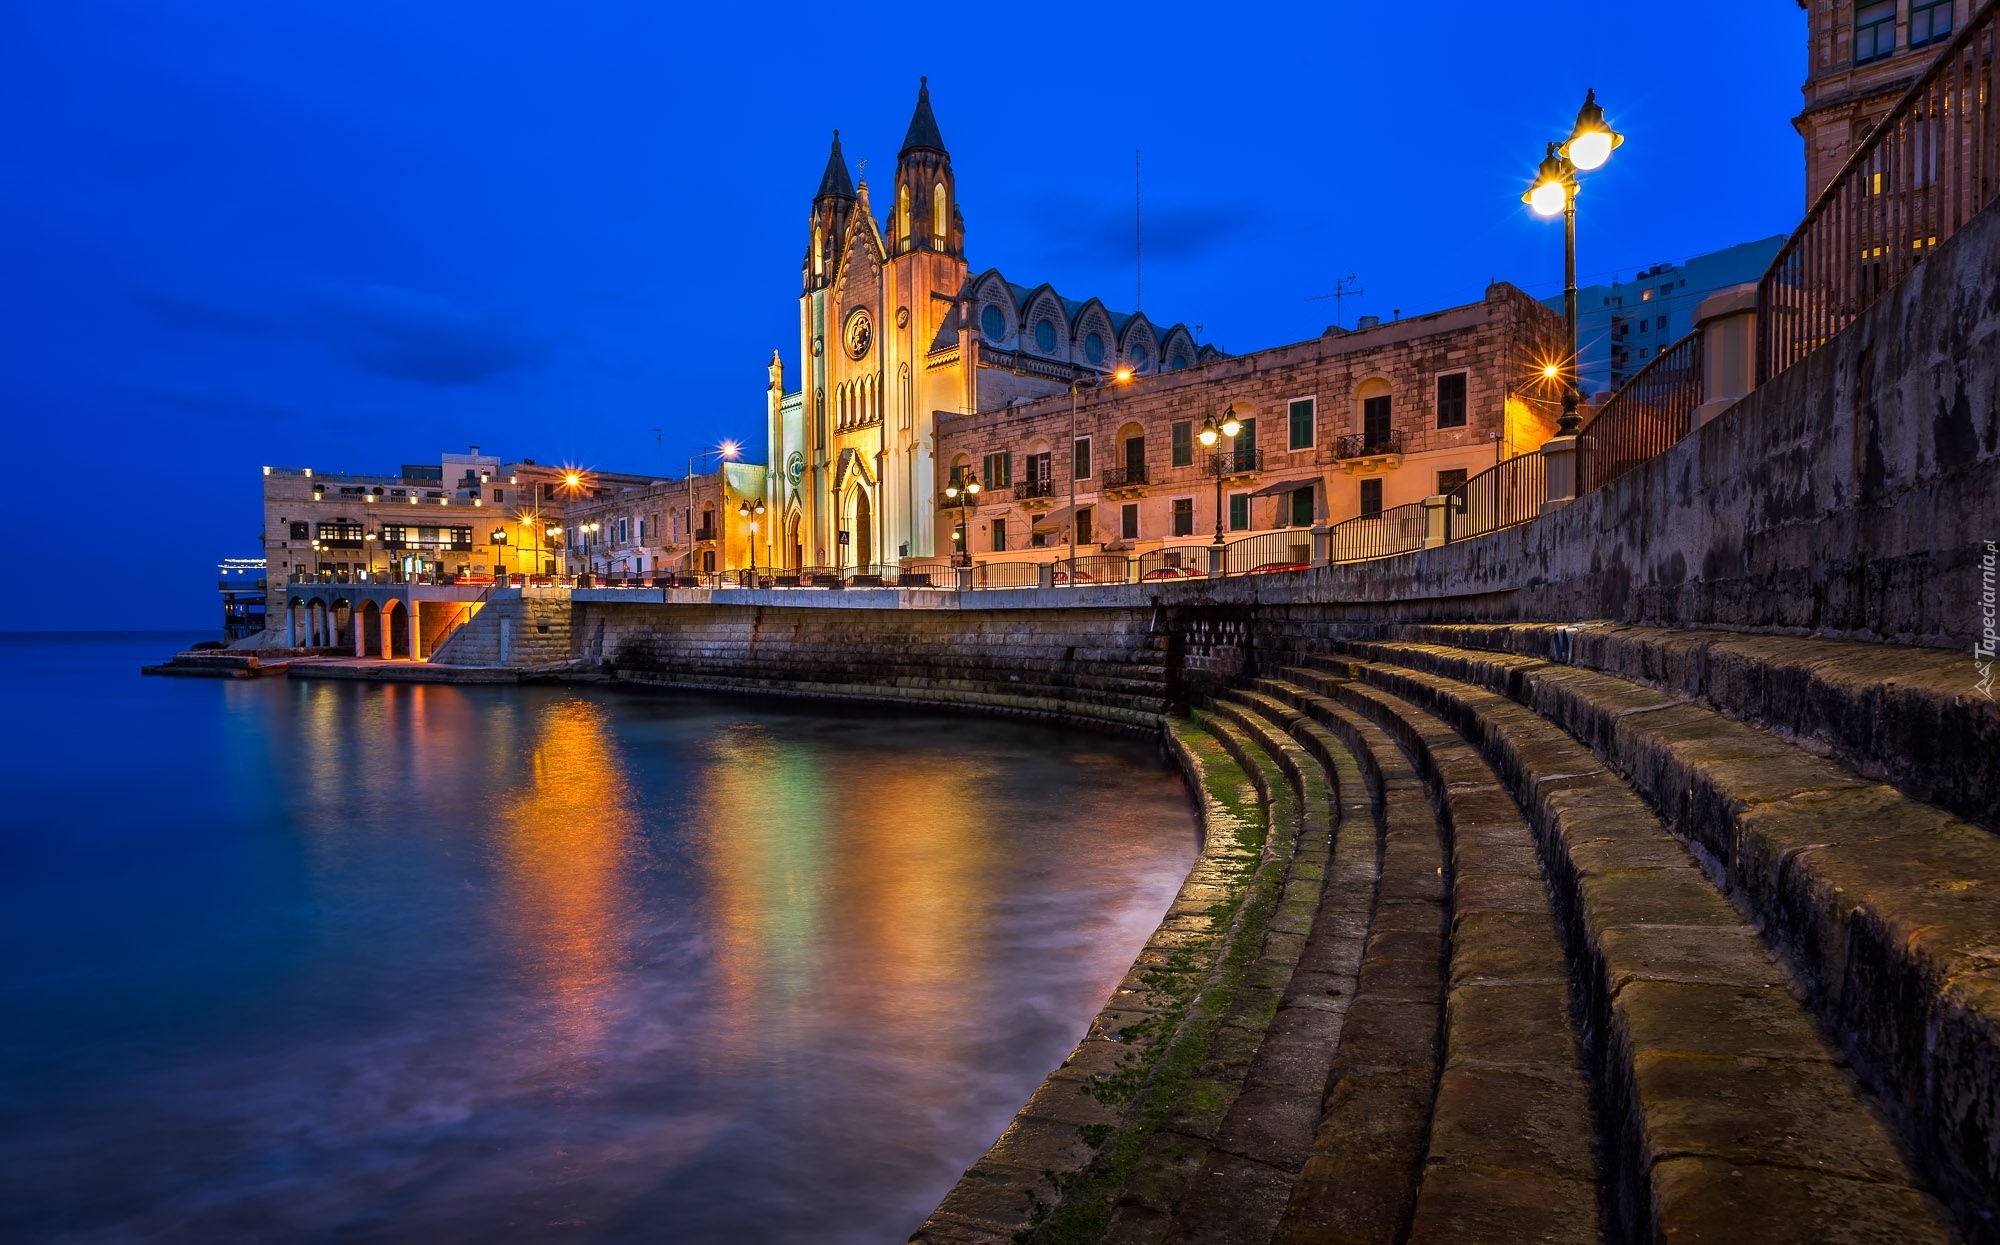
(1861, 56)
(1621, 327)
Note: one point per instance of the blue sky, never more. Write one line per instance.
(349, 236)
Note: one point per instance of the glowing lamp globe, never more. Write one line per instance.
(1590, 151)
(1546, 199)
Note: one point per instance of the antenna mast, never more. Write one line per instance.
(1343, 289)
(1138, 268)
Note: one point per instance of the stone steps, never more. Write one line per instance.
(1310, 957)
(1731, 1119)
(1510, 1050)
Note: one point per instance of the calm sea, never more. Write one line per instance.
(300, 961)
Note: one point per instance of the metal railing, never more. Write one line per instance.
(1124, 477)
(1398, 529)
(1234, 462)
(1007, 575)
(1288, 549)
(1367, 445)
(1178, 562)
(1096, 568)
(1504, 494)
(1925, 170)
(1027, 490)
(1647, 417)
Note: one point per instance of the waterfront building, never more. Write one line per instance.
(895, 331)
(1861, 55)
(1622, 326)
(244, 587)
(1344, 425)
(691, 525)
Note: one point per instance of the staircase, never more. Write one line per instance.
(1552, 934)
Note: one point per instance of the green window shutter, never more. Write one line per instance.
(1302, 424)
(1239, 512)
(1184, 444)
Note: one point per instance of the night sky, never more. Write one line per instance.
(353, 235)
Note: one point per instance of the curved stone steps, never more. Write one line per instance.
(1514, 1145)
(1886, 907)
(1512, 1154)
(1312, 955)
(1358, 1182)
(1732, 1119)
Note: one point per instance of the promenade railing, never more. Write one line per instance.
(1177, 562)
(1509, 492)
(1398, 529)
(1647, 417)
(1929, 166)
(1287, 549)
(1088, 569)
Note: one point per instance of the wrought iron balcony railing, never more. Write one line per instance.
(1124, 477)
(1234, 462)
(1368, 445)
(1029, 489)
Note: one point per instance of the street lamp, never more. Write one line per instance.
(587, 535)
(1208, 435)
(1590, 144)
(368, 540)
(961, 493)
(745, 510)
(728, 450)
(1117, 377)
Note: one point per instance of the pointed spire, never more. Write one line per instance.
(834, 182)
(923, 126)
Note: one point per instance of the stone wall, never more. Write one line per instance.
(516, 627)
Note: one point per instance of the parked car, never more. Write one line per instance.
(1275, 568)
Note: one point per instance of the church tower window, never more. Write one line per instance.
(940, 217)
(904, 208)
(819, 252)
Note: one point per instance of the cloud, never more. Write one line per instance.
(218, 402)
(1182, 232)
(378, 329)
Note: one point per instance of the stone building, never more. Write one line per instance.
(471, 516)
(690, 525)
(1861, 56)
(1345, 425)
(895, 329)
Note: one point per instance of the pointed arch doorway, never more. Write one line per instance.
(863, 528)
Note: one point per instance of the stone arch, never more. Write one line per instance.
(1177, 349)
(994, 305)
(858, 520)
(1092, 333)
(1043, 306)
(1139, 344)
(395, 627)
(794, 551)
(368, 629)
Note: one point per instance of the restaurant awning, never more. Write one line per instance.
(1053, 521)
(1286, 486)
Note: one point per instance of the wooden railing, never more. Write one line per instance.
(1925, 170)
(1648, 416)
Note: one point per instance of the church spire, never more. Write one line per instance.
(834, 182)
(923, 133)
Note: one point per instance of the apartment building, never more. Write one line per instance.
(694, 525)
(1345, 425)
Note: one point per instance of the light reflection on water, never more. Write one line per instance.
(312, 962)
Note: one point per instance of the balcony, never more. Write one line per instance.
(704, 533)
(1381, 449)
(1126, 481)
(1236, 462)
(1032, 493)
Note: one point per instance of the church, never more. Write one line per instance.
(894, 331)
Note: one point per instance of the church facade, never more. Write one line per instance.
(895, 331)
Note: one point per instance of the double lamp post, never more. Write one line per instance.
(1589, 145)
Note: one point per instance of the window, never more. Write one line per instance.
(1128, 521)
(1039, 470)
(1183, 516)
(819, 252)
(957, 476)
(1375, 420)
(999, 535)
(1246, 440)
(1183, 438)
(1302, 507)
(1239, 512)
(1081, 459)
(708, 555)
(1045, 336)
(395, 536)
(1451, 480)
(940, 217)
(624, 531)
(301, 531)
(340, 534)
(1178, 363)
(1302, 424)
(1930, 21)
(1000, 470)
(1644, 325)
(461, 538)
(1083, 533)
(1874, 30)
(1371, 497)
(1135, 458)
(992, 323)
(904, 212)
(1451, 400)
(1093, 348)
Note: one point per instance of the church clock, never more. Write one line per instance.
(859, 334)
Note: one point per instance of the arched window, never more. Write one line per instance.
(992, 323)
(904, 207)
(940, 217)
(819, 252)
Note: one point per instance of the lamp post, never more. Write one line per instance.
(1589, 145)
(1209, 434)
(728, 450)
(961, 494)
(1117, 377)
(368, 540)
(745, 510)
(587, 534)
(499, 547)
